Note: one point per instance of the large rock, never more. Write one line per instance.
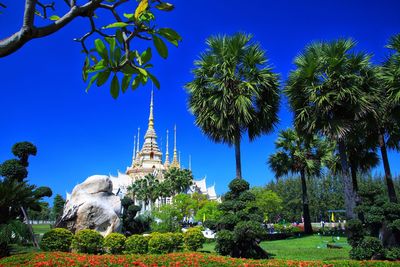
(92, 205)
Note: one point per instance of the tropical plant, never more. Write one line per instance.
(146, 189)
(330, 92)
(234, 91)
(177, 180)
(298, 155)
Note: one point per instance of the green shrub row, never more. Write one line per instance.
(92, 242)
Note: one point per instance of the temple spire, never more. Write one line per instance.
(175, 160)
(137, 143)
(166, 164)
(151, 116)
(134, 148)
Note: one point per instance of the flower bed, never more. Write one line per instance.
(170, 260)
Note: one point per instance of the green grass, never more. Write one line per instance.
(301, 248)
(41, 228)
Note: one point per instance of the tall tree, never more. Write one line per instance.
(388, 109)
(234, 91)
(329, 93)
(117, 57)
(178, 180)
(298, 155)
(58, 206)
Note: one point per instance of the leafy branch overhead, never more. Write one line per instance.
(111, 56)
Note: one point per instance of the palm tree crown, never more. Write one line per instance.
(234, 90)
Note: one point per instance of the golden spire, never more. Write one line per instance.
(137, 144)
(134, 149)
(151, 117)
(166, 164)
(175, 161)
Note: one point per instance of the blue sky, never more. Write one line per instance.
(79, 134)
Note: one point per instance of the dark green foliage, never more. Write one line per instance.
(88, 241)
(23, 150)
(210, 224)
(356, 232)
(17, 195)
(132, 224)
(137, 244)
(238, 186)
(57, 239)
(114, 243)
(369, 248)
(13, 232)
(194, 239)
(240, 228)
(225, 242)
(14, 170)
(392, 253)
(58, 206)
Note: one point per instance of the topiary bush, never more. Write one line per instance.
(369, 248)
(114, 243)
(88, 241)
(57, 239)
(240, 228)
(194, 239)
(224, 242)
(137, 244)
(355, 232)
(160, 243)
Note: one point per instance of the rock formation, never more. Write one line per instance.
(92, 205)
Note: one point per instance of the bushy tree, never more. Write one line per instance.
(166, 219)
(17, 196)
(58, 207)
(132, 224)
(267, 201)
(240, 228)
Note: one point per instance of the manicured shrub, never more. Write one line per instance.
(114, 243)
(225, 242)
(177, 241)
(57, 239)
(137, 244)
(370, 247)
(356, 232)
(160, 243)
(194, 239)
(88, 241)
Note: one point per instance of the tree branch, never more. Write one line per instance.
(29, 32)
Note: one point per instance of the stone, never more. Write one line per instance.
(92, 205)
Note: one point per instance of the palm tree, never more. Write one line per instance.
(329, 93)
(234, 91)
(299, 155)
(388, 109)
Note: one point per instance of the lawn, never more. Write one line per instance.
(301, 248)
(41, 228)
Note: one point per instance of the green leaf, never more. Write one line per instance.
(119, 36)
(94, 77)
(154, 80)
(136, 82)
(114, 87)
(86, 65)
(165, 7)
(129, 16)
(142, 71)
(103, 77)
(143, 5)
(126, 80)
(101, 49)
(170, 34)
(160, 46)
(146, 55)
(116, 25)
(112, 43)
(54, 17)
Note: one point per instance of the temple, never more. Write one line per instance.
(149, 160)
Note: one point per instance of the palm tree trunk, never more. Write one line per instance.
(353, 170)
(349, 194)
(306, 210)
(386, 166)
(237, 157)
